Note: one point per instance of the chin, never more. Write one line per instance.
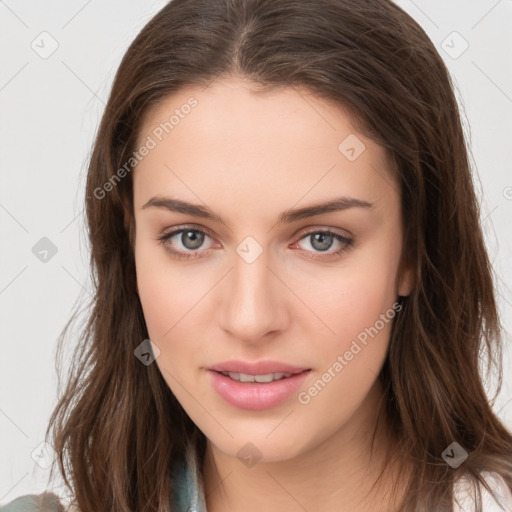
(256, 445)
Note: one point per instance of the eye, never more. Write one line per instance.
(323, 240)
(187, 240)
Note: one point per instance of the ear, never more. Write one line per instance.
(406, 279)
(406, 283)
(127, 219)
(129, 222)
(129, 226)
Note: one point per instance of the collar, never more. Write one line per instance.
(188, 486)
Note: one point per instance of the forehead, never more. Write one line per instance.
(286, 142)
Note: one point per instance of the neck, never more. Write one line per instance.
(339, 474)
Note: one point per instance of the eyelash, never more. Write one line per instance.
(347, 243)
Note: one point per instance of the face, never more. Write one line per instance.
(257, 278)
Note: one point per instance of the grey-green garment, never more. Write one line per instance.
(46, 502)
(188, 495)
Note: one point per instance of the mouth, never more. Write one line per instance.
(259, 386)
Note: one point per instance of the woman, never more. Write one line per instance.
(292, 288)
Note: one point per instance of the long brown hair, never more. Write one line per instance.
(117, 427)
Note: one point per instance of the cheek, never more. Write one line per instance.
(357, 297)
(361, 306)
(173, 299)
(167, 297)
(161, 290)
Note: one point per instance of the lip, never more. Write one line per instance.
(256, 396)
(258, 368)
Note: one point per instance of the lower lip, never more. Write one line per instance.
(256, 396)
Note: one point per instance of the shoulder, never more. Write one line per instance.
(45, 502)
(464, 494)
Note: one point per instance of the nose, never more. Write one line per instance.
(254, 304)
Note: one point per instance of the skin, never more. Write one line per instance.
(249, 157)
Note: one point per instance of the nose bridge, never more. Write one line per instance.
(254, 304)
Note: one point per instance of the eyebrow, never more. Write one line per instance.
(288, 216)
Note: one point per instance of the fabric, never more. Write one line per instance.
(45, 502)
(189, 493)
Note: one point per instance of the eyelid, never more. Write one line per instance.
(316, 229)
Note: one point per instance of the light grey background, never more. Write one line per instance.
(50, 109)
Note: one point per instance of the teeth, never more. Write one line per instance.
(268, 377)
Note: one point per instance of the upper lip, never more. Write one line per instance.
(258, 368)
